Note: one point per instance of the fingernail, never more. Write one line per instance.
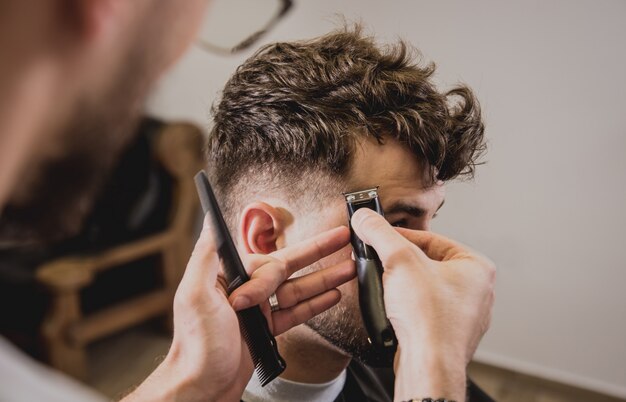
(240, 303)
(207, 221)
(360, 214)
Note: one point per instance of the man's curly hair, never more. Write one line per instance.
(303, 106)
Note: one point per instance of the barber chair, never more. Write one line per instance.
(176, 151)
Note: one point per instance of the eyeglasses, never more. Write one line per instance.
(234, 25)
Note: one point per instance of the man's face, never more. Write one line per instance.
(406, 201)
(64, 173)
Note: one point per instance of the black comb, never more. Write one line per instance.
(254, 329)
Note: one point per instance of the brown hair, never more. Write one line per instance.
(302, 106)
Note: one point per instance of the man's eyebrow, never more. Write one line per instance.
(413, 210)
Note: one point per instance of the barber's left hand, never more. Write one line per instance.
(208, 359)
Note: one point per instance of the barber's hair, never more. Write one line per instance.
(303, 106)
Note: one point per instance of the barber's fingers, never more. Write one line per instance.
(262, 285)
(304, 287)
(307, 252)
(283, 320)
(390, 245)
(270, 271)
(294, 290)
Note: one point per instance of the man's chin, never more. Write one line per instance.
(350, 339)
(374, 358)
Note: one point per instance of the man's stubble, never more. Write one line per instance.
(342, 326)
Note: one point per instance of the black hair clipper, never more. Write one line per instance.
(254, 329)
(369, 274)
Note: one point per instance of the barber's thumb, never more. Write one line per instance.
(373, 228)
(204, 259)
(207, 236)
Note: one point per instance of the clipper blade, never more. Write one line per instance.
(362, 195)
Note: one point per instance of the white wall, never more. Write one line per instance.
(549, 205)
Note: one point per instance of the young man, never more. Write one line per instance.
(300, 123)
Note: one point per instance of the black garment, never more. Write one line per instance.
(367, 384)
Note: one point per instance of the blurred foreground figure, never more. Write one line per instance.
(73, 79)
(23, 379)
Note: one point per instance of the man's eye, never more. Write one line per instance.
(399, 224)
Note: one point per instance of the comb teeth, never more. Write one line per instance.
(262, 346)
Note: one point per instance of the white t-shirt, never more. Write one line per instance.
(281, 390)
(24, 380)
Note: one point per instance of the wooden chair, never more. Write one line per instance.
(66, 330)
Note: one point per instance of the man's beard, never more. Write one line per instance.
(55, 202)
(343, 327)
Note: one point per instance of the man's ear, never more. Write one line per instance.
(261, 226)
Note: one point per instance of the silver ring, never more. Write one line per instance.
(273, 303)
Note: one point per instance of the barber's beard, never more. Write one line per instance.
(65, 186)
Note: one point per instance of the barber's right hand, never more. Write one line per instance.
(438, 297)
(208, 359)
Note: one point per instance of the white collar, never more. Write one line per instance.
(281, 390)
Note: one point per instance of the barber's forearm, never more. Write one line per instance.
(426, 372)
(167, 383)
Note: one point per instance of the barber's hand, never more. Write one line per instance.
(438, 296)
(208, 359)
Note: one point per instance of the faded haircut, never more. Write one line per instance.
(294, 112)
